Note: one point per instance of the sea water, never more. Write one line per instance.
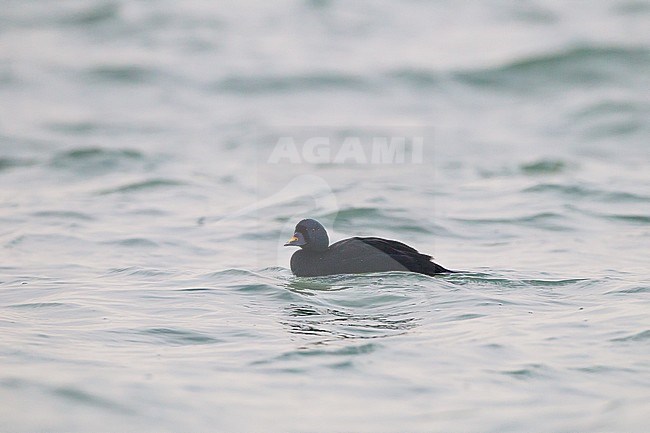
(155, 156)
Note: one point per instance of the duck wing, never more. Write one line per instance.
(372, 254)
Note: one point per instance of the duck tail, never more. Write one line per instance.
(435, 268)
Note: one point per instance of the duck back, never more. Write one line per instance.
(362, 255)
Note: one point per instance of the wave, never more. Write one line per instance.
(69, 394)
(291, 83)
(543, 166)
(133, 74)
(63, 215)
(581, 191)
(641, 336)
(376, 218)
(582, 66)
(134, 243)
(96, 14)
(92, 161)
(166, 336)
(543, 220)
(9, 163)
(144, 185)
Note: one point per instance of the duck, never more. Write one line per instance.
(356, 255)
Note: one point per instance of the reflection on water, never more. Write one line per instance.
(342, 324)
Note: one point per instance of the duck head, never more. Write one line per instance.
(309, 235)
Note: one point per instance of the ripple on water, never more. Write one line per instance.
(229, 274)
(63, 214)
(634, 219)
(39, 305)
(196, 289)
(94, 161)
(610, 118)
(141, 272)
(167, 336)
(254, 85)
(641, 336)
(134, 243)
(585, 66)
(38, 240)
(7, 163)
(541, 220)
(73, 395)
(355, 349)
(465, 316)
(336, 358)
(143, 186)
(353, 214)
(94, 153)
(630, 289)
(499, 281)
(544, 166)
(396, 220)
(350, 323)
(357, 306)
(416, 78)
(531, 371)
(582, 191)
(124, 74)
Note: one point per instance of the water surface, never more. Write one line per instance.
(144, 286)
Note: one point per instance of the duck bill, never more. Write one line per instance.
(296, 241)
